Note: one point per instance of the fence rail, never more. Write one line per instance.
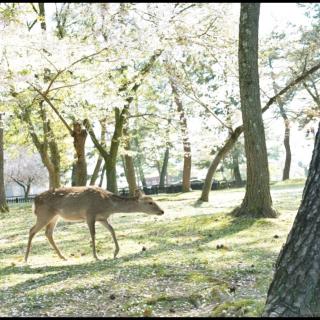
(152, 190)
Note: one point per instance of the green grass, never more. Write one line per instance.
(181, 272)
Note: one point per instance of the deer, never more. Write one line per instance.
(88, 204)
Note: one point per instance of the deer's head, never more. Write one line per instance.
(147, 204)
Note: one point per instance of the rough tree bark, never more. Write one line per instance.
(257, 201)
(295, 288)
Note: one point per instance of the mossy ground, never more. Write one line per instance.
(179, 272)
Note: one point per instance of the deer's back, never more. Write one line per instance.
(74, 202)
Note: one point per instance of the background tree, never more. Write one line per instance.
(26, 170)
(257, 200)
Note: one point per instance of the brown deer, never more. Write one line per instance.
(88, 204)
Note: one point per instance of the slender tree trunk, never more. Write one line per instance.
(295, 288)
(139, 162)
(102, 175)
(214, 164)
(3, 203)
(100, 158)
(186, 187)
(130, 172)
(42, 15)
(164, 167)
(257, 201)
(236, 168)
(286, 141)
(80, 167)
(96, 170)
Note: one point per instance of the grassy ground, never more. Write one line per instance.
(167, 266)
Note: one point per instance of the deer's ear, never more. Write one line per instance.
(138, 193)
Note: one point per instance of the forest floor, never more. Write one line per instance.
(167, 266)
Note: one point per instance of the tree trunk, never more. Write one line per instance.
(235, 164)
(74, 171)
(102, 175)
(100, 158)
(120, 118)
(257, 201)
(214, 164)
(164, 168)
(236, 133)
(3, 203)
(130, 172)
(96, 170)
(295, 288)
(139, 163)
(186, 187)
(286, 141)
(51, 160)
(43, 16)
(111, 175)
(80, 167)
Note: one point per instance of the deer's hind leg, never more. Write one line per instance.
(49, 234)
(40, 223)
(91, 220)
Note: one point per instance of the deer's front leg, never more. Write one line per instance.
(109, 227)
(91, 224)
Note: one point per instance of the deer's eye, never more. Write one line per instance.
(150, 202)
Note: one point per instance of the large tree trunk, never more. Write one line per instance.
(186, 187)
(3, 203)
(164, 168)
(295, 288)
(257, 201)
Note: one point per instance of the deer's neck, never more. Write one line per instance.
(121, 205)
